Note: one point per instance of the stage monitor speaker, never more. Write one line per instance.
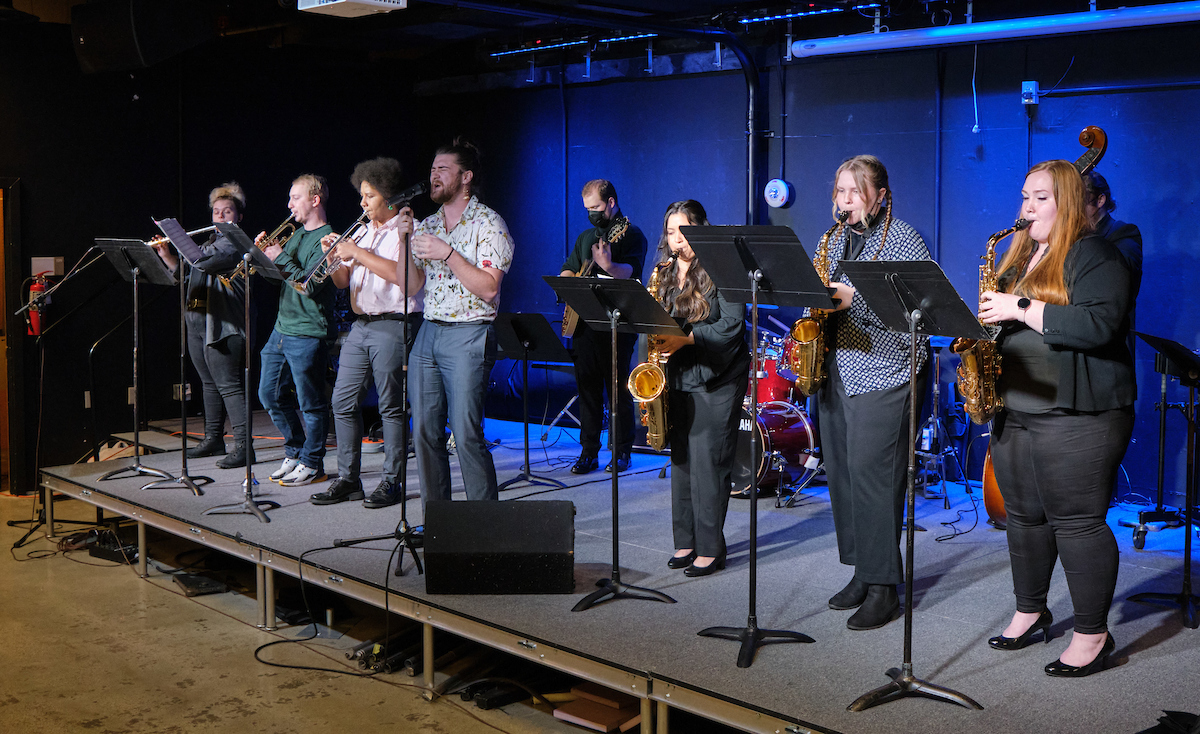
(515, 547)
(118, 35)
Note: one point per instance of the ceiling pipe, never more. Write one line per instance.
(1001, 30)
(625, 23)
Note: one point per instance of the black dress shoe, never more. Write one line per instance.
(585, 464)
(881, 606)
(210, 446)
(385, 495)
(849, 597)
(623, 462)
(1043, 622)
(340, 490)
(1059, 669)
(717, 564)
(678, 562)
(238, 457)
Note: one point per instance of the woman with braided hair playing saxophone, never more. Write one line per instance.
(1063, 300)
(706, 377)
(864, 405)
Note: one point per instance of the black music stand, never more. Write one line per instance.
(912, 297)
(190, 252)
(615, 305)
(255, 262)
(1186, 359)
(136, 263)
(776, 272)
(529, 335)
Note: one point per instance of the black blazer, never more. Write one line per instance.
(720, 354)
(1095, 369)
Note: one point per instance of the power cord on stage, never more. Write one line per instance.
(953, 524)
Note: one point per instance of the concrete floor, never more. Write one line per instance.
(89, 646)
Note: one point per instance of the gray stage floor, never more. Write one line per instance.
(962, 597)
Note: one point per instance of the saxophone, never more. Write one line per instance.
(648, 381)
(980, 366)
(804, 345)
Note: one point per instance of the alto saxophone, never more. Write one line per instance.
(804, 345)
(980, 366)
(648, 381)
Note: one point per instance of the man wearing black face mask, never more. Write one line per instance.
(614, 247)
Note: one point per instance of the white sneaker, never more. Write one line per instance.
(284, 469)
(302, 475)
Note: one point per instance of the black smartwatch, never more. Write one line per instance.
(1024, 303)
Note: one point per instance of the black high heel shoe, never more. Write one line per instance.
(1044, 620)
(678, 562)
(1059, 669)
(717, 564)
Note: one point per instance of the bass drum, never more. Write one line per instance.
(772, 386)
(781, 427)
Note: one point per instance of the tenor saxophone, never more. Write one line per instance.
(648, 381)
(980, 366)
(804, 345)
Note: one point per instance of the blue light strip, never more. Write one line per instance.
(790, 16)
(569, 44)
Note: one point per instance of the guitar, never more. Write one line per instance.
(570, 319)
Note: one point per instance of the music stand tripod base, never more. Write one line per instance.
(905, 684)
(612, 588)
(248, 506)
(191, 482)
(752, 637)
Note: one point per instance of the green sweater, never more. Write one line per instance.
(303, 314)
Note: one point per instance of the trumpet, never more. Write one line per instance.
(162, 239)
(323, 268)
(275, 238)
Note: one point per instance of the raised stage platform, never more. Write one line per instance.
(651, 650)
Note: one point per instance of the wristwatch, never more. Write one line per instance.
(1024, 303)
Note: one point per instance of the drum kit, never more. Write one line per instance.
(790, 455)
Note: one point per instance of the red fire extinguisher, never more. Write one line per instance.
(35, 316)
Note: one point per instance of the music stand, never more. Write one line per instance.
(769, 259)
(1185, 358)
(255, 262)
(912, 297)
(136, 263)
(530, 335)
(625, 306)
(189, 251)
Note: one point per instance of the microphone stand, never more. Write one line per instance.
(404, 533)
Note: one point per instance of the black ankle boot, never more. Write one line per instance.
(881, 606)
(238, 457)
(212, 445)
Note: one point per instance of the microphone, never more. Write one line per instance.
(408, 194)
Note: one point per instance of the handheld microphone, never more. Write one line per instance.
(407, 195)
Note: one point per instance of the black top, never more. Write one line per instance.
(720, 354)
(1086, 337)
(629, 249)
(224, 305)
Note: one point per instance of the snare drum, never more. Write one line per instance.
(772, 386)
(781, 427)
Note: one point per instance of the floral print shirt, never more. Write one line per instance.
(482, 238)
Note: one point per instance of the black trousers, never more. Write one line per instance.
(703, 436)
(1056, 473)
(864, 441)
(593, 375)
(220, 368)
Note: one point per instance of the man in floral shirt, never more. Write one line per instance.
(460, 256)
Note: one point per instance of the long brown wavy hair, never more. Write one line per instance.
(869, 173)
(692, 301)
(1046, 282)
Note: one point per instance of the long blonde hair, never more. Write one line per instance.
(1047, 282)
(869, 173)
(691, 301)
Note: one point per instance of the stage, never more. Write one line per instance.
(650, 649)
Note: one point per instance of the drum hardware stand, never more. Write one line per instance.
(1185, 599)
(1169, 518)
(529, 334)
(936, 307)
(564, 413)
(626, 305)
(181, 241)
(756, 251)
(798, 488)
(136, 262)
(253, 264)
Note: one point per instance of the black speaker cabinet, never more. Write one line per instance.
(523, 547)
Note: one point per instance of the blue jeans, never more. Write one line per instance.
(447, 378)
(293, 379)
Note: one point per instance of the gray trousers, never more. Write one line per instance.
(373, 351)
(447, 380)
(864, 441)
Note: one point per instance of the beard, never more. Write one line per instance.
(445, 194)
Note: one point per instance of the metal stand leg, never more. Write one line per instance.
(663, 718)
(647, 725)
(427, 654)
(260, 590)
(141, 545)
(269, 599)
